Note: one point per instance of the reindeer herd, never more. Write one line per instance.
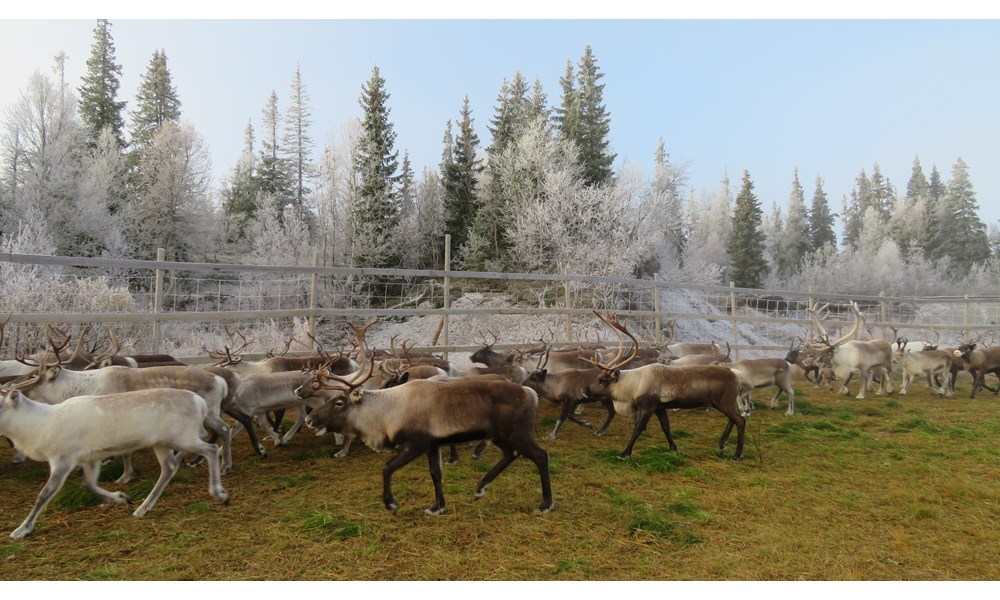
(77, 409)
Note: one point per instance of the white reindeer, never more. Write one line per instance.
(84, 430)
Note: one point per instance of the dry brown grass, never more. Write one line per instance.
(888, 488)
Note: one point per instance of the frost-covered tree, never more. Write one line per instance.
(156, 103)
(278, 240)
(796, 242)
(97, 228)
(559, 225)
(709, 227)
(460, 179)
(430, 221)
(334, 197)
(821, 219)
(297, 144)
(175, 211)
(42, 149)
(408, 217)
(772, 229)
(98, 105)
(376, 165)
(745, 248)
(666, 205)
(912, 230)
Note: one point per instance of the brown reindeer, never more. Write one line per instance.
(418, 417)
(654, 389)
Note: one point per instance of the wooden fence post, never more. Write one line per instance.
(161, 255)
(736, 325)
(965, 319)
(658, 319)
(447, 290)
(882, 313)
(313, 301)
(568, 301)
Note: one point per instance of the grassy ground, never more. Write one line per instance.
(887, 488)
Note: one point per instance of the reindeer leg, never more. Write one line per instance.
(641, 419)
(434, 461)
(406, 455)
(58, 472)
(610, 407)
(244, 419)
(661, 414)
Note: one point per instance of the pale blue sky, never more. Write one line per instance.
(829, 97)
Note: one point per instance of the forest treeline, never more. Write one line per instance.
(85, 173)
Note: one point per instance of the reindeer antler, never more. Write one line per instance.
(613, 322)
(329, 381)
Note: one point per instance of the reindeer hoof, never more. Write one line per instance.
(434, 511)
(545, 507)
(624, 456)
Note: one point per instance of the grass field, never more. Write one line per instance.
(887, 488)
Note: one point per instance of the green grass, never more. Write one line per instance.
(905, 490)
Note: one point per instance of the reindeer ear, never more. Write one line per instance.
(52, 372)
(355, 396)
(616, 374)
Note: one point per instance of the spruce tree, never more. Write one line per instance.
(566, 116)
(98, 106)
(272, 176)
(239, 193)
(297, 144)
(796, 243)
(960, 234)
(156, 102)
(511, 114)
(821, 219)
(883, 195)
(376, 163)
(935, 199)
(461, 178)
(539, 108)
(745, 247)
(854, 212)
(594, 123)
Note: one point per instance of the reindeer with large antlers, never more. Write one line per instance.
(653, 389)
(418, 417)
(846, 355)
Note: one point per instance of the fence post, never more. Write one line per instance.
(965, 319)
(809, 326)
(736, 326)
(447, 290)
(568, 301)
(161, 255)
(658, 319)
(881, 311)
(312, 298)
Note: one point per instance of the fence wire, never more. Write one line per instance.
(197, 307)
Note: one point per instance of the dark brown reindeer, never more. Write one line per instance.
(418, 417)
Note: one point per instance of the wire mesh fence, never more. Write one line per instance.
(188, 308)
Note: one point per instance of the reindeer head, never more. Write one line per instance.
(612, 370)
